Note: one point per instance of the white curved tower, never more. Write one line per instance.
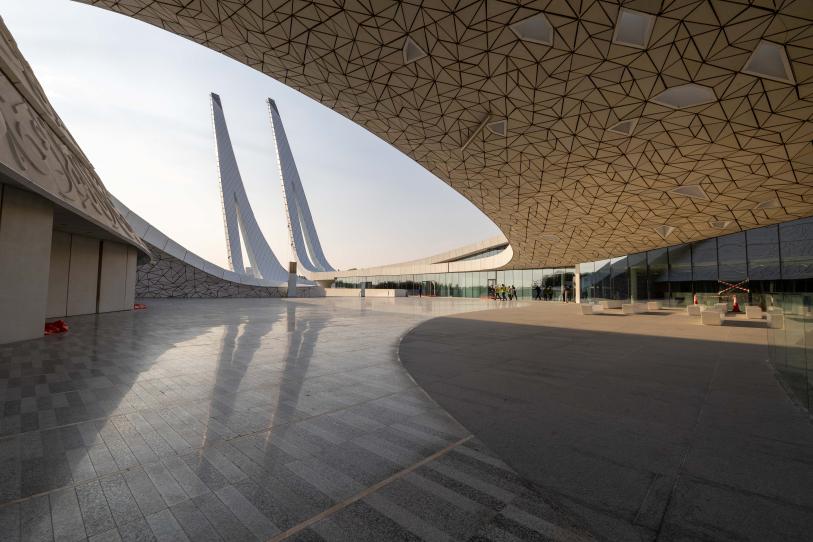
(301, 230)
(237, 214)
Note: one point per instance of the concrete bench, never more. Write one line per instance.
(712, 317)
(611, 304)
(587, 308)
(753, 312)
(654, 306)
(630, 308)
(693, 310)
(776, 320)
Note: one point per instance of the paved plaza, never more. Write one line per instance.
(647, 427)
(247, 420)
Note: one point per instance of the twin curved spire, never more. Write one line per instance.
(239, 219)
(301, 230)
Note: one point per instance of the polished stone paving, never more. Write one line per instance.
(646, 427)
(247, 420)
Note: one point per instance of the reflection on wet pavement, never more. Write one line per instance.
(245, 420)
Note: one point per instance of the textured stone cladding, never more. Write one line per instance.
(167, 276)
(39, 153)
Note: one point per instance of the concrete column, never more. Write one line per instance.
(26, 224)
(83, 275)
(291, 279)
(58, 275)
(633, 278)
(129, 288)
(112, 277)
(577, 284)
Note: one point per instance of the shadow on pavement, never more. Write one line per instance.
(643, 436)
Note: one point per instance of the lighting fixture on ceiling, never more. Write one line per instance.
(770, 60)
(476, 131)
(535, 29)
(412, 51)
(633, 28)
(691, 191)
(768, 204)
(624, 127)
(498, 127)
(664, 230)
(550, 237)
(688, 95)
(720, 224)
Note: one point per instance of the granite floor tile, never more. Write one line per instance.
(10, 521)
(144, 492)
(165, 483)
(66, 517)
(236, 424)
(35, 520)
(95, 511)
(165, 527)
(194, 522)
(223, 520)
(136, 531)
(246, 513)
(122, 504)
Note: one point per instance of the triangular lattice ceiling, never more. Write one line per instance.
(558, 169)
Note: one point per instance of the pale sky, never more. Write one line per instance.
(136, 98)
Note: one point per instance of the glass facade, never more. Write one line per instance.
(752, 265)
(788, 348)
(470, 284)
(770, 266)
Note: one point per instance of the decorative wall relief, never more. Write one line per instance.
(36, 146)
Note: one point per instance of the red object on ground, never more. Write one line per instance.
(139, 306)
(736, 305)
(52, 328)
(695, 299)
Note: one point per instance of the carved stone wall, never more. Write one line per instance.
(38, 153)
(167, 276)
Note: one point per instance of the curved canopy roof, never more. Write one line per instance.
(583, 130)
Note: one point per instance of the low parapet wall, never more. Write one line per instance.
(368, 292)
(384, 292)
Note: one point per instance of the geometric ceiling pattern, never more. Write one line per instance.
(584, 129)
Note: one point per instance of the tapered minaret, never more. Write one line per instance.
(301, 230)
(237, 214)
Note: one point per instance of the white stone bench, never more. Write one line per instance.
(753, 312)
(587, 308)
(654, 306)
(611, 304)
(693, 310)
(712, 317)
(630, 308)
(776, 320)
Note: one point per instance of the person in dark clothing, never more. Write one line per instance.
(537, 292)
(513, 292)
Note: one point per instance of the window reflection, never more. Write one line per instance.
(764, 260)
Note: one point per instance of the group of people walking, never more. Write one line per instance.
(502, 292)
(543, 294)
(509, 293)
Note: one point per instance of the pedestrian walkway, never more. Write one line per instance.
(247, 420)
(646, 427)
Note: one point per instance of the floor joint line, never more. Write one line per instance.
(366, 492)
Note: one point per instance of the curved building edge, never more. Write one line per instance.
(450, 261)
